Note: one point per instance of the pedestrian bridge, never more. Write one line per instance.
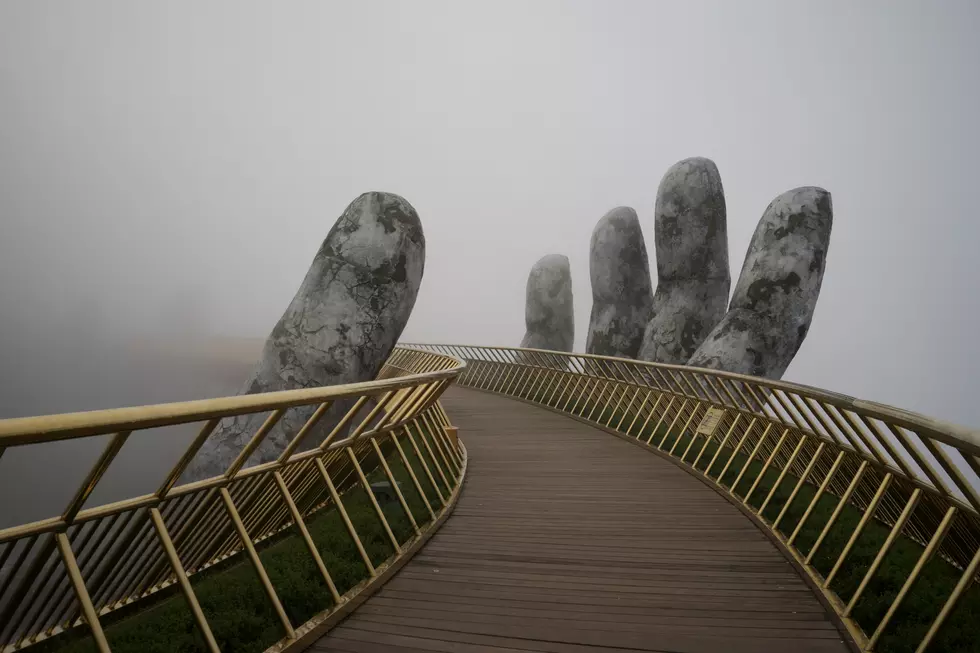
(496, 499)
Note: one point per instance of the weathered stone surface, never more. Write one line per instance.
(777, 291)
(692, 262)
(622, 295)
(548, 307)
(339, 328)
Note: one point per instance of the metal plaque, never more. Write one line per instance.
(710, 421)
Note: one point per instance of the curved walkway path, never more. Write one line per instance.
(567, 539)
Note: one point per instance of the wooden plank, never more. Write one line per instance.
(568, 540)
(449, 640)
(624, 614)
(573, 603)
(655, 624)
(438, 641)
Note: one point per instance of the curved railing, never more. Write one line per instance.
(826, 475)
(85, 563)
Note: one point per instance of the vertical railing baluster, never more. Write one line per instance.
(855, 481)
(394, 485)
(185, 584)
(816, 497)
(257, 562)
(411, 474)
(797, 450)
(856, 533)
(639, 411)
(568, 391)
(653, 411)
(434, 431)
(425, 466)
(765, 466)
(927, 553)
(687, 425)
(584, 397)
(799, 484)
(81, 592)
(45, 599)
(14, 602)
(738, 447)
(432, 457)
(749, 459)
(374, 501)
(966, 579)
(660, 420)
(885, 548)
(342, 511)
(307, 538)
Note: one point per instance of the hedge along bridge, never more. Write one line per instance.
(822, 474)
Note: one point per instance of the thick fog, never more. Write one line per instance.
(168, 170)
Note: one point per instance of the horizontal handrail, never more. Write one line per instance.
(49, 428)
(73, 568)
(949, 433)
(780, 451)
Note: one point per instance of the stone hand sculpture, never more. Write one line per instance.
(774, 300)
(548, 306)
(339, 328)
(622, 298)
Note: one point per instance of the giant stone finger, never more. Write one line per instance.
(777, 291)
(692, 261)
(622, 297)
(548, 305)
(339, 328)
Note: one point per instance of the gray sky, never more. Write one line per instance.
(172, 167)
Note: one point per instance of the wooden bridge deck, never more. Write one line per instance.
(567, 539)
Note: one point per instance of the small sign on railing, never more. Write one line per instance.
(710, 421)
(453, 433)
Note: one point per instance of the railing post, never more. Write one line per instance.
(868, 514)
(816, 497)
(185, 584)
(885, 547)
(373, 500)
(394, 485)
(411, 474)
(78, 583)
(799, 484)
(339, 505)
(677, 440)
(765, 466)
(256, 562)
(660, 420)
(910, 580)
(966, 579)
(751, 457)
(425, 466)
(307, 538)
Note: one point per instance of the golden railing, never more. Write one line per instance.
(754, 440)
(76, 567)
